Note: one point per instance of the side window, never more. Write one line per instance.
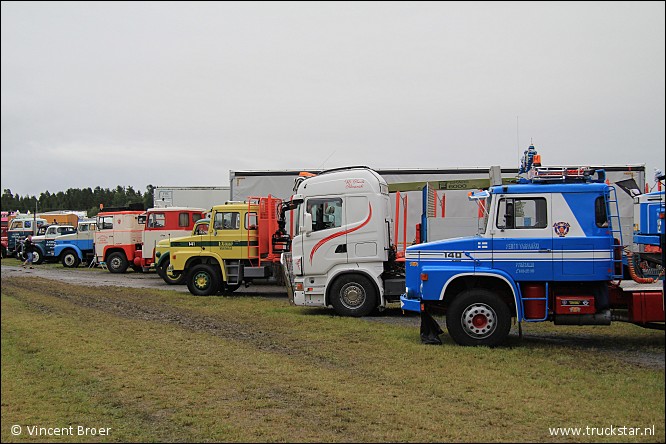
(156, 220)
(326, 213)
(251, 221)
(201, 229)
(184, 220)
(522, 213)
(105, 223)
(600, 213)
(196, 217)
(227, 221)
(27, 224)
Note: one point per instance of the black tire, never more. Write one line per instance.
(203, 280)
(478, 317)
(117, 262)
(174, 278)
(69, 259)
(37, 257)
(228, 289)
(353, 295)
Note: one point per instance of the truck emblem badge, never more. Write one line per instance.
(561, 228)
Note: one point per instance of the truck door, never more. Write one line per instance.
(523, 240)
(104, 235)
(154, 231)
(326, 245)
(226, 239)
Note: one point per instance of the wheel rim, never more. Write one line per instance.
(201, 281)
(172, 276)
(69, 260)
(352, 295)
(115, 263)
(479, 321)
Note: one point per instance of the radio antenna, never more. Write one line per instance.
(326, 160)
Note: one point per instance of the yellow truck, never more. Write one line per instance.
(238, 247)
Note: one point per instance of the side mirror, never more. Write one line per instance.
(306, 228)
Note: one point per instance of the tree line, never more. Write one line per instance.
(75, 199)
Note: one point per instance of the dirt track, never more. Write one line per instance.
(629, 351)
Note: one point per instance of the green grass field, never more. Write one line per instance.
(156, 366)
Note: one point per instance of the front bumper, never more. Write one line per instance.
(408, 304)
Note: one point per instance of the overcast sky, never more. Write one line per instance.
(178, 94)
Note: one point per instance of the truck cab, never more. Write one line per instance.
(341, 253)
(19, 228)
(73, 248)
(44, 241)
(118, 238)
(163, 224)
(235, 249)
(549, 251)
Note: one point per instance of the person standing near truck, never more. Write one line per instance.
(28, 248)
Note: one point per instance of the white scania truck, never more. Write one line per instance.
(341, 252)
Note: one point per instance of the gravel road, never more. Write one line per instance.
(98, 277)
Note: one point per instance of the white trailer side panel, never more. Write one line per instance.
(191, 197)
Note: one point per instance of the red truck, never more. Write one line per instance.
(127, 237)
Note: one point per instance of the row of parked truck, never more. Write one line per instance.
(549, 248)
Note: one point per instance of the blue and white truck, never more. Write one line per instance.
(75, 248)
(44, 241)
(549, 250)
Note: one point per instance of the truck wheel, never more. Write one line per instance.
(353, 295)
(70, 259)
(117, 262)
(203, 280)
(478, 317)
(37, 257)
(173, 278)
(226, 288)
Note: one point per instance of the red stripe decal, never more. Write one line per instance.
(341, 233)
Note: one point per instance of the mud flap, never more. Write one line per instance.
(430, 329)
